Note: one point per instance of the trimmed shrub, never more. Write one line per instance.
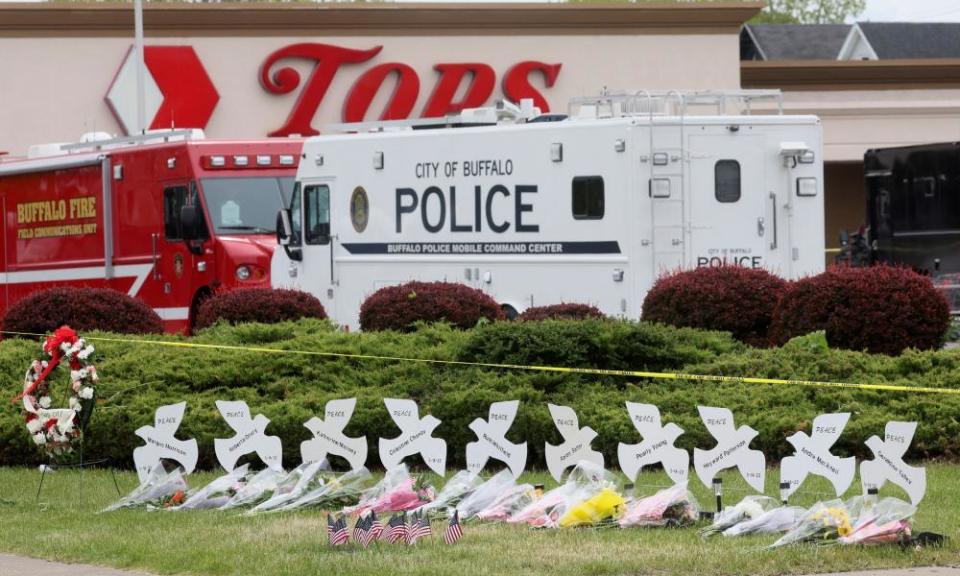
(264, 305)
(729, 298)
(83, 309)
(879, 309)
(561, 312)
(400, 307)
(594, 343)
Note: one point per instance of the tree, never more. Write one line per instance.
(809, 11)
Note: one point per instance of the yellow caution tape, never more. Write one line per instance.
(555, 369)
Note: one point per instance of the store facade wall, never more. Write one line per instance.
(271, 76)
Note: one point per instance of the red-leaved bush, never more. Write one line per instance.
(82, 309)
(266, 305)
(729, 298)
(399, 307)
(880, 309)
(561, 312)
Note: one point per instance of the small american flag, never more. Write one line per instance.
(454, 532)
(375, 528)
(419, 528)
(337, 531)
(396, 530)
(359, 530)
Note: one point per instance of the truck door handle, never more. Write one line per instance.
(676, 241)
(773, 204)
(761, 227)
(156, 256)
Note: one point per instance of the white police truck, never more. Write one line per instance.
(538, 209)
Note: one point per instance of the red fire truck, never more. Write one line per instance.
(166, 217)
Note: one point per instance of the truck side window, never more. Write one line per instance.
(316, 207)
(296, 218)
(588, 203)
(727, 180)
(173, 199)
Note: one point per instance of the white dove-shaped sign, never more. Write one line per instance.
(813, 456)
(415, 437)
(491, 440)
(160, 443)
(576, 442)
(657, 445)
(250, 437)
(887, 464)
(328, 436)
(732, 449)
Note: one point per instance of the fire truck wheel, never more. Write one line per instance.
(509, 311)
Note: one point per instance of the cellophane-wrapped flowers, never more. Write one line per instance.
(770, 522)
(397, 492)
(485, 494)
(299, 481)
(824, 521)
(674, 506)
(257, 489)
(750, 507)
(507, 504)
(585, 481)
(454, 491)
(337, 492)
(603, 507)
(218, 492)
(886, 522)
(162, 489)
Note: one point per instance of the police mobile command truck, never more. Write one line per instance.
(541, 209)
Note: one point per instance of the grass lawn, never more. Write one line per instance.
(65, 526)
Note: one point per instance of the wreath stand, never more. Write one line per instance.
(81, 464)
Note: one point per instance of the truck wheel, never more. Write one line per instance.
(509, 311)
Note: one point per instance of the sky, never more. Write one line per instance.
(912, 10)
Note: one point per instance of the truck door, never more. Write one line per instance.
(733, 219)
(318, 243)
(174, 263)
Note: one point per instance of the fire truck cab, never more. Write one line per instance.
(166, 217)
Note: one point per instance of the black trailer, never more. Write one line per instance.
(913, 209)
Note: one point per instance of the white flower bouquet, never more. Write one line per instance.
(218, 492)
(259, 488)
(159, 490)
(749, 508)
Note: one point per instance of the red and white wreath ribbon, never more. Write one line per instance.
(56, 428)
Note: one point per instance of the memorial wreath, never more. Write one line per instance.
(56, 429)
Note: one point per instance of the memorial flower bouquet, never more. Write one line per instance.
(258, 489)
(160, 490)
(508, 503)
(770, 522)
(397, 492)
(888, 522)
(674, 506)
(454, 491)
(218, 492)
(749, 508)
(338, 492)
(824, 521)
(301, 479)
(601, 508)
(485, 495)
(585, 481)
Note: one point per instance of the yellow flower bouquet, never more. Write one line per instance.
(606, 505)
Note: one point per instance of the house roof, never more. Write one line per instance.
(897, 40)
(792, 41)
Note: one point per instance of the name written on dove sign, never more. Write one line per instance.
(657, 445)
(812, 456)
(888, 465)
(732, 449)
(416, 437)
(250, 438)
(576, 442)
(328, 436)
(160, 442)
(492, 442)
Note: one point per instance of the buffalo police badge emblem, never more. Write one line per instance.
(359, 209)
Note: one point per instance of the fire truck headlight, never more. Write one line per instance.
(243, 273)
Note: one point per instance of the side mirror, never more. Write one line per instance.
(284, 229)
(191, 222)
(844, 237)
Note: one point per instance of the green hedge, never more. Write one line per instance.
(289, 389)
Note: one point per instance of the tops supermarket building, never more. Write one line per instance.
(252, 70)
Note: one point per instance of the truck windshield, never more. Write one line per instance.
(246, 205)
